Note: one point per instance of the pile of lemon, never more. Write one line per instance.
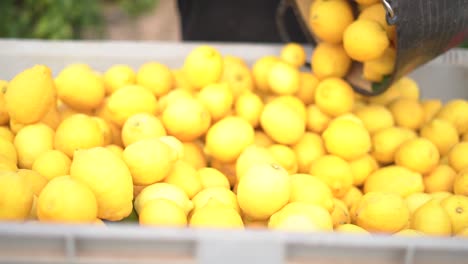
(221, 144)
(344, 37)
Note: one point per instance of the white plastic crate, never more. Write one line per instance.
(446, 77)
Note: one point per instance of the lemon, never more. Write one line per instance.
(439, 196)
(362, 167)
(38, 85)
(340, 214)
(16, 196)
(211, 177)
(301, 217)
(457, 156)
(432, 219)
(385, 142)
(307, 84)
(317, 121)
(283, 79)
(460, 186)
(78, 131)
(187, 119)
(216, 215)
(149, 160)
(285, 156)
(156, 77)
(350, 228)
(307, 149)
(400, 109)
(52, 163)
(330, 60)
(365, 40)
(222, 195)
(440, 179)
(293, 54)
(390, 95)
(463, 233)
(375, 117)
(31, 141)
(352, 197)
(203, 66)
(226, 139)
(306, 188)
(457, 208)
(7, 164)
(184, 175)
(163, 190)
(162, 212)
(418, 154)
(66, 200)
(376, 11)
(346, 139)
(366, 2)
(382, 212)
(8, 150)
(80, 88)
(142, 126)
(36, 180)
(395, 179)
(6, 133)
(456, 112)
(105, 128)
(416, 200)
(263, 190)
(193, 154)
(335, 172)
(181, 81)
(228, 169)
(176, 145)
(217, 98)
(109, 179)
(334, 96)
(117, 76)
(249, 106)
(409, 232)
(284, 123)
(250, 156)
(173, 96)
(261, 139)
(238, 77)
(382, 65)
(329, 20)
(4, 116)
(442, 133)
(431, 107)
(260, 71)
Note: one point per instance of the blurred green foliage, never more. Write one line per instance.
(61, 19)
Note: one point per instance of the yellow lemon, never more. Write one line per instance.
(329, 20)
(335, 172)
(203, 66)
(460, 185)
(175, 144)
(194, 155)
(216, 215)
(293, 54)
(16, 196)
(52, 163)
(222, 195)
(149, 160)
(376, 11)
(38, 85)
(8, 150)
(416, 200)
(78, 131)
(362, 167)
(4, 116)
(352, 197)
(375, 117)
(456, 112)
(395, 179)
(117, 76)
(382, 212)
(317, 120)
(440, 179)
(7, 164)
(130, 100)
(249, 106)
(366, 2)
(6, 133)
(142, 126)
(382, 65)
(181, 81)
(162, 190)
(400, 109)
(307, 149)
(385, 142)
(409, 232)
(66, 200)
(334, 96)
(439, 196)
(340, 214)
(238, 77)
(301, 217)
(306, 188)
(330, 60)
(457, 208)
(261, 139)
(217, 98)
(285, 156)
(80, 88)
(351, 228)
(184, 175)
(457, 156)
(432, 219)
(162, 212)
(463, 233)
(263, 190)
(307, 84)
(186, 119)
(108, 177)
(35, 179)
(346, 139)
(250, 156)
(211, 177)
(283, 79)
(442, 133)
(418, 154)
(390, 95)
(226, 139)
(173, 96)
(117, 150)
(365, 40)
(31, 141)
(156, 77)
(228, 169)
(431, 107)
(260, 71)
(105, 129)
